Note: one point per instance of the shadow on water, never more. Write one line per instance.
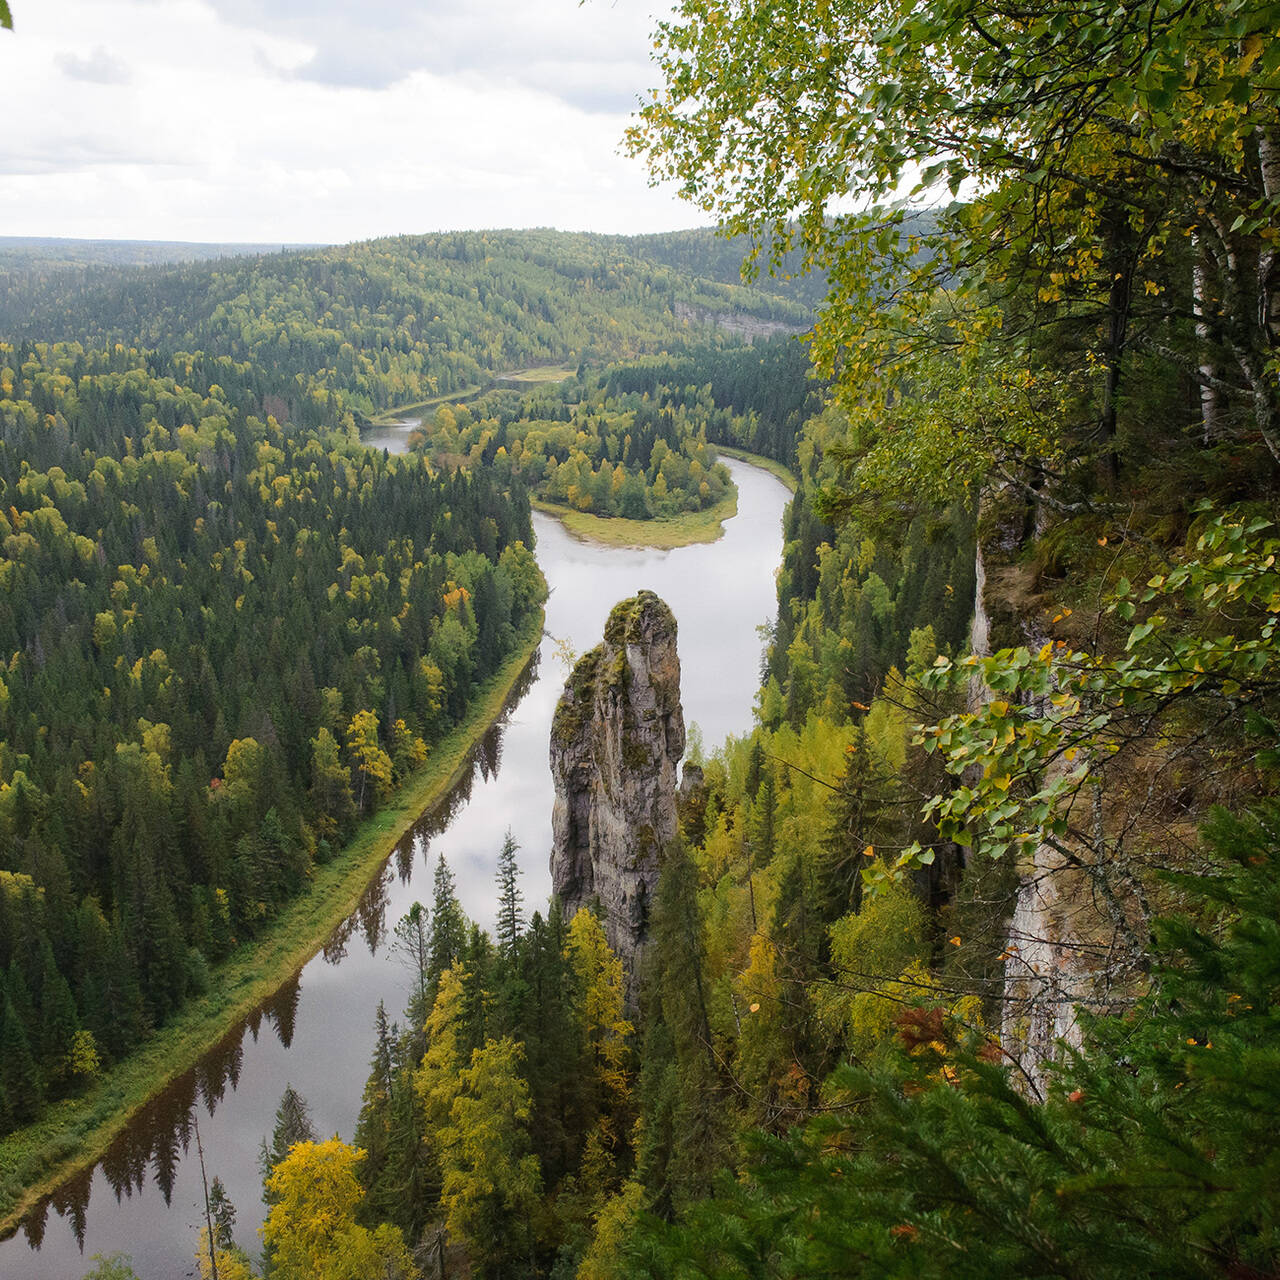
(154, 1142)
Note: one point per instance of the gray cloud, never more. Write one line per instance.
(74, 153)
(553, 49)
(99, 67)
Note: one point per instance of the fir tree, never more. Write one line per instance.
(1152, 1157)
(509, 919)
(293, 1125)
(449, 925)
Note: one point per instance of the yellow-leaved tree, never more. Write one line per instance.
(605, 1032)
(492, 1183)
(372, 763)
(312, 1231)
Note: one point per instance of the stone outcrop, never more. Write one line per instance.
(1059, 942)
(616, 740)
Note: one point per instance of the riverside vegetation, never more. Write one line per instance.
(230, 630)
(1052, 411)
(1053, 414)
(635, 443)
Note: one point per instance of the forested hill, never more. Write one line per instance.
(392, 321)
(45, 252)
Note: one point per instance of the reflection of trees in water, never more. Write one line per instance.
(491, 752)
(166, 1155)
(281, 1010)
(71, 1200)
(161, 1133)
(404, 857)
(220, 1066)
(372, 909)
(125, 1164)
(34, 1223)
(335, 948)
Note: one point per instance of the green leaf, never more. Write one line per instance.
(1140, 633)
(6, 17)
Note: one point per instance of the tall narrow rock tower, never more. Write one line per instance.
(616, 739)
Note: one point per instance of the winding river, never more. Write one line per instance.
(316, 1031)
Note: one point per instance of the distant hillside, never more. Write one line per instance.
(395, 320)
(55, 251)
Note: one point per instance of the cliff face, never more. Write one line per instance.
(616, 739)
(1059, 945)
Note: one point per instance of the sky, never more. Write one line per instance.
(324, 121)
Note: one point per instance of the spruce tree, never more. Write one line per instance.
(19, 1075)
(509, 919)
(1153, 1157)
(293, 1125)
(449, 925)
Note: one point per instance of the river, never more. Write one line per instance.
(316, 1032)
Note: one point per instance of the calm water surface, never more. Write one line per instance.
(316, 1032)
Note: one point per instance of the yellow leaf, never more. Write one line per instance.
(1250, 48)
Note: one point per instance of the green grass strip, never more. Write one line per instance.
(785, 474)
(662, 532)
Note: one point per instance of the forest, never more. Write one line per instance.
(965, 963)
(392, 322)
(226, 643)
(966, 960)
(634, 440)
(231, 631)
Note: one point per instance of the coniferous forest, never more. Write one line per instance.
(965, 961)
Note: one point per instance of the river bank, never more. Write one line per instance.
(516, 379)
(35, 1160)
(678, 531)
(776, 469)
(684, 530)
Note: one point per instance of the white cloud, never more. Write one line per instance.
(206, 123)
(98, 67)
(381, 42)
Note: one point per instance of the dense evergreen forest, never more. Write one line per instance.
(965, 963)
(633, 441)
(394, 321)
(225, 643)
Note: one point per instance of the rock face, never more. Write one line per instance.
(616, 739)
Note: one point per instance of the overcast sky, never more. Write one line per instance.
(323, 120)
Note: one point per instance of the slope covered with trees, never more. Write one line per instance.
(394, 321)
(224, 642)
(1084, 355)
(1074, 371)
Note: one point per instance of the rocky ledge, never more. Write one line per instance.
(616, 740)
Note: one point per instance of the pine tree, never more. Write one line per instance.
(293, 1125)
(1152, 1157)
(492, 1182)
(412, 946)
(19, 1074)
(509, 921)
(449, 926)
(857, 816)
(683, 1099)
(371, 1127)
(223, 1213)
